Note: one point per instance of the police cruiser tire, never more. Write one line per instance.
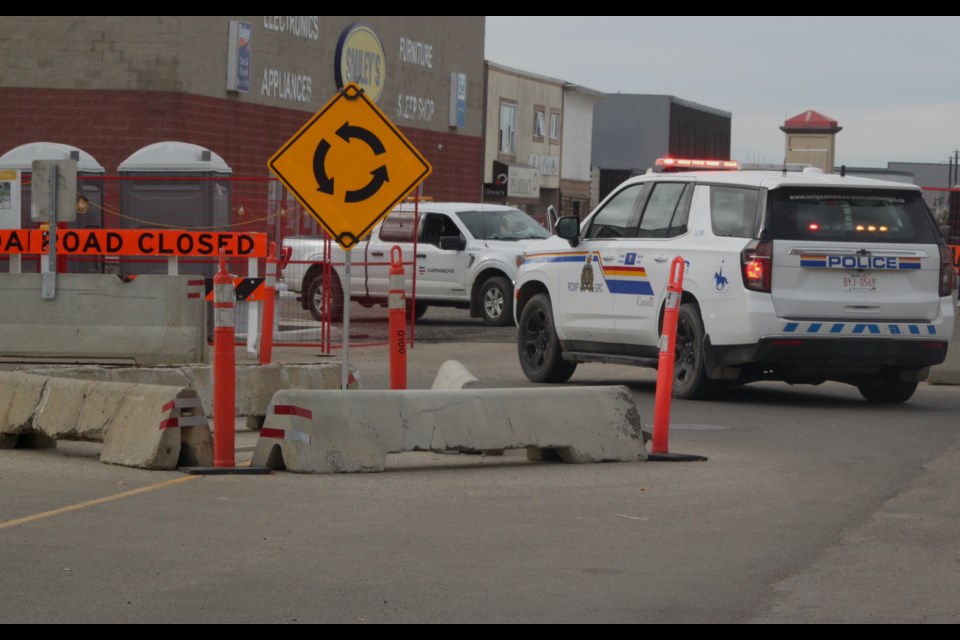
(538, 346)
(690, 380)
(314, 299)
(889, 390)
(496, 302)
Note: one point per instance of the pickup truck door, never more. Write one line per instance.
(398, 229)
(440, 273)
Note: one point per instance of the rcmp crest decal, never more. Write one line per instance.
(586, 275)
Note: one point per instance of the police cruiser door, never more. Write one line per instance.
(639, 274)
(585, 300)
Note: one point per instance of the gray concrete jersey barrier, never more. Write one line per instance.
(332, 432)
(255, 384)
(140, 425)
(149, 320)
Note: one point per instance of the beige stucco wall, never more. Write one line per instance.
(527, 92)
(816, 149)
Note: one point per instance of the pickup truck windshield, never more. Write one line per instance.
(511, 224)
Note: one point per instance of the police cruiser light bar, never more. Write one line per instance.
(690, 164)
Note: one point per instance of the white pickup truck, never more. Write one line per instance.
(466, 257)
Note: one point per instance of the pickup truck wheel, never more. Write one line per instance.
(538, 346)
(496, 302)
(417, 309)
(890, 389)
(690, 380)
(315, 299)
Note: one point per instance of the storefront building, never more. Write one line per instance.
(241, 86)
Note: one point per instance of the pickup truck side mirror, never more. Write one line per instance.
(568, 228)
(453, 243)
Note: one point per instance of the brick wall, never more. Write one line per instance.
(111, 125)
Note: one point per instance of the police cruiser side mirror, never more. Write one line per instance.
(453, 243)
(568, 228)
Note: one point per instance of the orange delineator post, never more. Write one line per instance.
(668, 353)
(224, 368)
(668, 346)
(269, 285)
(398, 321)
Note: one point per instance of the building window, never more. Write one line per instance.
(508, 127)
(539, 124)
(554, 126)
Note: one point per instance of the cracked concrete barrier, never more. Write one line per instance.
(336, 432)
(256, 384)
(140, 425)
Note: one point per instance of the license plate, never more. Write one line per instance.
(859, 281)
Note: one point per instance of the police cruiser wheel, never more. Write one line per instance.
(496, 302)
(690, 380)
(314, 299)
(537, 344)
(890, 389)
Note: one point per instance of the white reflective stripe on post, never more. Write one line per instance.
(223, 298)
(663, 343)
(673, 300)
(396, 295)
(271, 274)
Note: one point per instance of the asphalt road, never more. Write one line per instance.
(812, 507)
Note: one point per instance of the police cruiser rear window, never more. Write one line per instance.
(859, 215)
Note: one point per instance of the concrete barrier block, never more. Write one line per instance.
(158, 427)
(453, 375)
(19, 396)
(335, 432)
(151, 320)
(59, 411)
(140, 425)
(255, 384)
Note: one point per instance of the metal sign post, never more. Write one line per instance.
(48, 288)
(345, 369)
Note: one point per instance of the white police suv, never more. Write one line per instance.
(800, 277)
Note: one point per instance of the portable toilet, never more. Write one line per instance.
(174, 185)
(90, 185)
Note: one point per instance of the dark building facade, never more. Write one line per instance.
(630, 131)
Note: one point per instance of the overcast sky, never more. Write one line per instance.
(892, 83)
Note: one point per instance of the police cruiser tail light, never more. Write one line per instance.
(756, 265)
(947, 271)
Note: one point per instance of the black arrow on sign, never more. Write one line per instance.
(324, 182)
(379, 177)
(347, 131)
